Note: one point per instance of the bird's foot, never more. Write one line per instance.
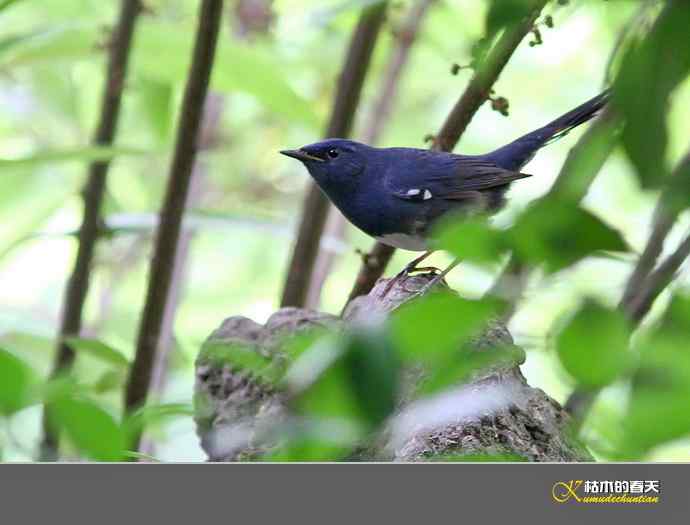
(436, 279)
(407, 270)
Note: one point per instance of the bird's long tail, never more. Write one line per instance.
(515, 155)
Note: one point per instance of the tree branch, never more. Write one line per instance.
(171, 214)
(92, 195)
(665, 217)
(476, 93)
(315, 207)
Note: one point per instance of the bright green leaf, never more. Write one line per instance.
(99, 350)
(594, 345)
(659, 406)
(82, 154)
(89, 428)
(16, 381)
(430, 328)
(559, 234)
(472, 240)
(356, 379)
(650, 71)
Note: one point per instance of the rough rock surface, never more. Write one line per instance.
(497, 413)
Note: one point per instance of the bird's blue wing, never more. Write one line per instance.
(449, 177)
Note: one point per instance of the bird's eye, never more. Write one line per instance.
(332, 153)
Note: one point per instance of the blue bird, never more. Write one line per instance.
(396, 194)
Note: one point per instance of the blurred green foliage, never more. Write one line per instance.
(277, 88)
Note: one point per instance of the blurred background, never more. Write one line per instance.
(272, 88)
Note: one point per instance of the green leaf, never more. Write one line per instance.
(81, 154)
(354, 378)
(649, 72)
(464, 365)
(471, 239)
(109, 381)
(99, 350)
(249, 69)
(243, 357)
(4, 4)
(155, 415)
(659, 406)
(559, 234)
(676, 318)
(503, 13)
(156, 100)
(317, 440)
(16, 380)
(594, 345)
(91, 430)
(430, 328)
(52, 45)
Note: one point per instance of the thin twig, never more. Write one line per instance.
(406, 34)
(176, 196)
(92, 195)
(657, 281)
(315, 207)
(476, 93)
(665, 217)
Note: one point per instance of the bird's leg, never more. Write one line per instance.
(437, 279)
(409, 268)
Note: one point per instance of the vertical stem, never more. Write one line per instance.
(92, 195)
(315, 208)
(162, 263)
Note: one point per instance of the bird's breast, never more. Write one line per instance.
(404, 241)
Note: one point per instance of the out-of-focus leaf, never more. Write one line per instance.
(4, 4)
(649, 72)
(558, 234)
(315, 441)
(462, 366)
(89, 428)
(472, 240)
(157, 106)
(109, 381)
(156, 414)
(238, 68)
(593, 346)
(676, 319)
(83, 154)
(659, 406)
(54, 44)
(358, 383)
(586, 159)
(243, 357)
(503, 13)
(438, 324)
(16, 380)
(18, 200)
(99, 350)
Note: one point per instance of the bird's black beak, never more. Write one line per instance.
(301, 155)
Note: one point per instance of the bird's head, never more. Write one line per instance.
(333, 162)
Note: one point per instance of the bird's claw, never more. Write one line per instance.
(406, 272)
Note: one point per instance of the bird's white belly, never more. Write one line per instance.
(404, 241)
